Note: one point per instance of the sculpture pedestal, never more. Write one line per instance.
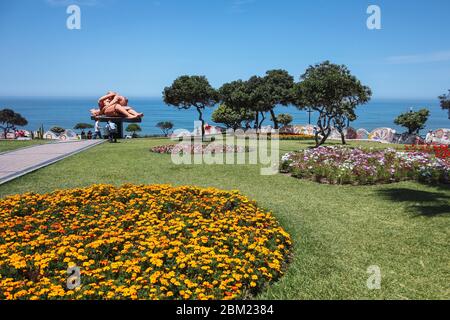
(118, 121)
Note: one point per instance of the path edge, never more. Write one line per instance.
(19, 174)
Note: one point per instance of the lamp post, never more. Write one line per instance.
(309, 115)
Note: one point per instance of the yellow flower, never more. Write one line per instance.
(152, 238)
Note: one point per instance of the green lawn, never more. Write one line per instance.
(338, 231)
(9, 145)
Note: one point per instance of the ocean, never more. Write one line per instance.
(66, 112)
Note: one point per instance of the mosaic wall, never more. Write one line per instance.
(441, 136)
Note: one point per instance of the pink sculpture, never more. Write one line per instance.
(115, 105)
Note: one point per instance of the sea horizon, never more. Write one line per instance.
(66, 112)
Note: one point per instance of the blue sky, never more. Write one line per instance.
(139, 47)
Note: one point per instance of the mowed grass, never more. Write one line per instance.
(338, 231)
(9, 145)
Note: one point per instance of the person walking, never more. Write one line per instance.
(112, 129)
(97, 130)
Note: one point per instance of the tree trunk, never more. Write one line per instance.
(200, 118)
(274, 119)
(319, 130)
(324, 137)
(262, 120)
(316, 138)
(342, 136)
(256, 120)
(324, 128)
(340, 123)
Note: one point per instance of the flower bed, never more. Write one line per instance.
(342, 165)
(198, 148)
(138, 242)
(440, 151)
(293, 136)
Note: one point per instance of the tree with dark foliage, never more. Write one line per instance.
(445, 102)
(333, 92)
(9, 120)
(232, 118)
(413, 121)
(278, 86)
(191, 91)
(243, 95)
(285, 119)
(165, 127)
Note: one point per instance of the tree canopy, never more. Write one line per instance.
(285, 119)
(333, 92)
(250, 95)
(57, 130)
(191, 91)
(165, 127)
(133, 127)
(278, 86)
(237, 95)
(413, 121)
(82, 126)
(232, 118)
(242, 95)
(445, 102)
(10, 119)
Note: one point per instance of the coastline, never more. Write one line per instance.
(67, 111)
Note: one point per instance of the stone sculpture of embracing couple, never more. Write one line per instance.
(114, 105)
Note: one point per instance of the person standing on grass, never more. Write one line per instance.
(97, 130)
(112, 129)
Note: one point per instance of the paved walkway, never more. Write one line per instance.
(19, 162)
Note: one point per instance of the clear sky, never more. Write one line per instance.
(139, 47)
